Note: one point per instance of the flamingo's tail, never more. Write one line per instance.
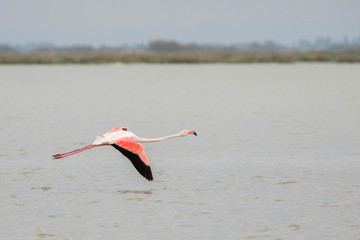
(62, 155)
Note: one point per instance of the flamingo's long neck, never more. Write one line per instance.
(147, 140)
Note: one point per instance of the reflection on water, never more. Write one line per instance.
(277, 157)
(149, 193)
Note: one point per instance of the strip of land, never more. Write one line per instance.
(178, 57)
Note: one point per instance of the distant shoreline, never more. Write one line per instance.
(178, 57)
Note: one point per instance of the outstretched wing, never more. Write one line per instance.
(136, 154)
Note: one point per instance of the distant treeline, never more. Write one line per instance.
(162, 51)
(269, 46)
(179, 57)
(320, 44)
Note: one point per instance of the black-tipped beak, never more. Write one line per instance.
(195, 133)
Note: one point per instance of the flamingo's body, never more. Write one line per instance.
(128, 144)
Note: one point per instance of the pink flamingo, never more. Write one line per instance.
(128, 144)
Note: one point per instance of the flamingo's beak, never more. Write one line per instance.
(192, 132)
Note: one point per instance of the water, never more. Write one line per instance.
(276, 157)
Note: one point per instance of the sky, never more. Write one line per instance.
(119, 22)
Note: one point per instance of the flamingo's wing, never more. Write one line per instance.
(112, 130)
(136, 154)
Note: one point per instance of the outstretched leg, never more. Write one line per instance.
(62, 155)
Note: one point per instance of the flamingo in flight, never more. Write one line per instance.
(129, 145)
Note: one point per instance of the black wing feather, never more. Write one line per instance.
(142, 168)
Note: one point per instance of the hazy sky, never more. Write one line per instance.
(116, 22)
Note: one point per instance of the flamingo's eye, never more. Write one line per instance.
(124, 129)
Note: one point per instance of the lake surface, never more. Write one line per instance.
(277, 154)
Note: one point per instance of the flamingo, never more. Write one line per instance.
(129, 145)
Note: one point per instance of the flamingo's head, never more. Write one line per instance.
(192, 132)
(187, 132)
